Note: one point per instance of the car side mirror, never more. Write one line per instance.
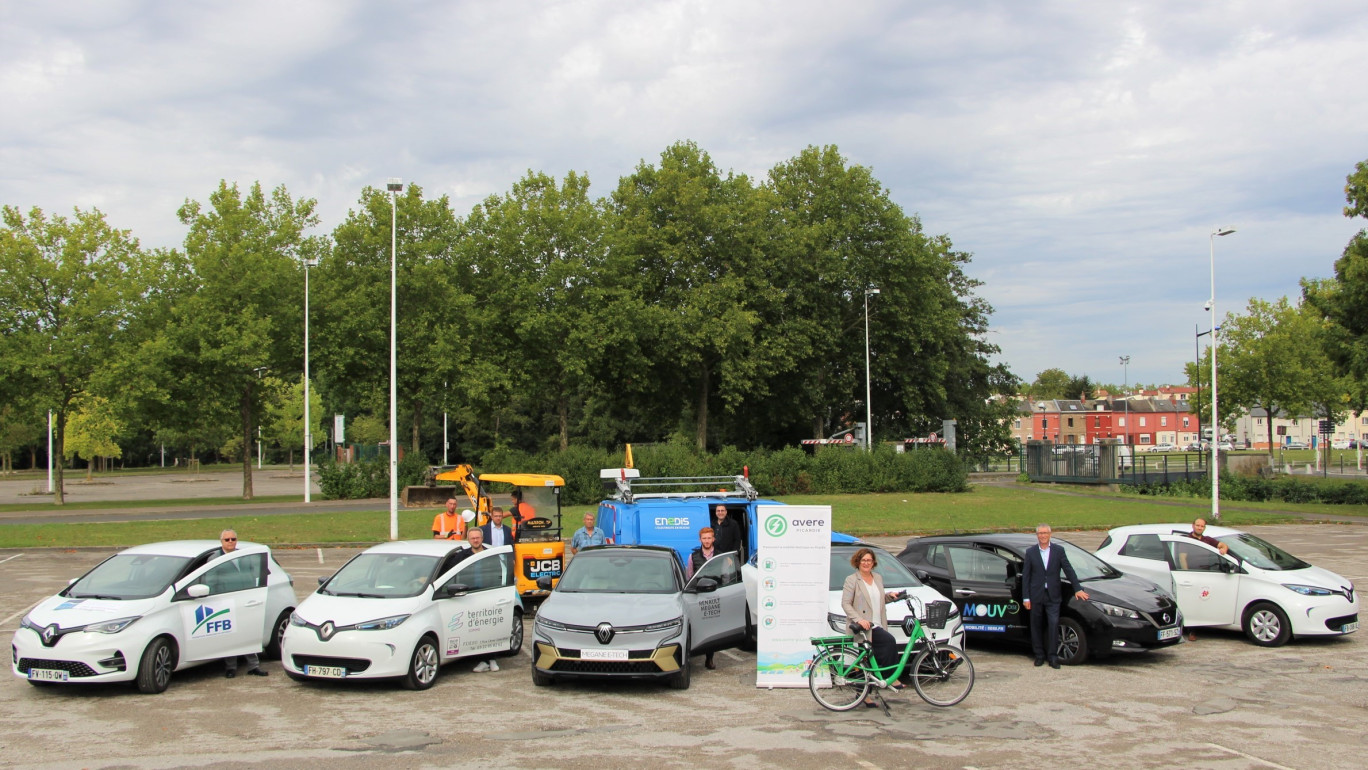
(922, 575)
(1228, 566)
(322, 580)
(197, 591)
(705, 585)
(544, 583)
(451, 589)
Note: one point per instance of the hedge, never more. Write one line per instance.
(1284, 489)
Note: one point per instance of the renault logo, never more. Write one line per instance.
(604, 633)
(326, 630)
(49, 634)
(1167, 619)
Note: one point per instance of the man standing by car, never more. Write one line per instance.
(727, 532)
(586, 535)
(1199, 533)
(228, 541)
(449, 525)
(1040, 581)
(705, 550)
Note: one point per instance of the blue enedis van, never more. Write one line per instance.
(669, 511)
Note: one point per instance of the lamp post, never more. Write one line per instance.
(1197, 360)
(1125, 364)
(395, 186)
(869, 404)
(1215, 415)
(308, 425)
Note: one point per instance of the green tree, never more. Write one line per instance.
(1079, 387)
(367, 429)
(284, 423)
(19, 428)
(242, 314)
(1265, 360)
(69, 290)
(1050, 384)
(93, 432)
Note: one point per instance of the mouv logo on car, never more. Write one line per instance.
(211, 622)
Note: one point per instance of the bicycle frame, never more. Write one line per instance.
(865, 661)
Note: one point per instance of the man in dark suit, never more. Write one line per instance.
(496, 533)
(1041, 584)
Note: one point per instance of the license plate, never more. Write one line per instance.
(1169, 633)
(48, 675)
(603, 655)
(1348, 627)
(326, 672)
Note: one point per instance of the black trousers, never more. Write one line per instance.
(885, 649)
(1045, 624)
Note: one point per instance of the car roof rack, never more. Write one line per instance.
(627, 485)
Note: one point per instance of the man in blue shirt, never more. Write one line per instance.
(1041, 585)
(586, 535)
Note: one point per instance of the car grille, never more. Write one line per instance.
(628, 667)
(72, 667)
(1335, 624)
(352, 665)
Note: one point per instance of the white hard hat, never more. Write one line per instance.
(468, 515)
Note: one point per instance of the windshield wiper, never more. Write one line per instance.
(363, 596)
(95, 596)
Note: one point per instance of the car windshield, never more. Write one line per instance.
(1087, 566)
(382, 576)
(619, 572)
(129, 576)
(894, 574)
(1261, 553)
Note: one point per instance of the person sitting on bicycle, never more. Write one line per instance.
(863, 598)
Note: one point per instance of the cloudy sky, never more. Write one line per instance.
(1081, 151)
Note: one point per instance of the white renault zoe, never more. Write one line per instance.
(154, 609)
(402, 609)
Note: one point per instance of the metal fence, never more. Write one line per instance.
(1110, 464)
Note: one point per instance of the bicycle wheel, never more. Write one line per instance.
(945, 679)
(837, 681)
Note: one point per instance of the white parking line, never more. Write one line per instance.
(20, 612)
(1250, 757)
(17, 555)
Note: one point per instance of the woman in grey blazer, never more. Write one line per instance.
(863, 599)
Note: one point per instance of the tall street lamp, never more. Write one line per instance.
(395, 186)
(308, 426)
(1215, 415)
(1125, 364)
(869, 404)
(1197, 361)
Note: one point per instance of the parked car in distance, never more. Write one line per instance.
(981, 574)
(624, 611)
(1341, 443)
(1256, 587)
(1295, 444)
(896, 577)
(403, 609)
(1225, 446)
(151, 610)
(1164, 447)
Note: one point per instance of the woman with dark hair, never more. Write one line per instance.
(863, 599)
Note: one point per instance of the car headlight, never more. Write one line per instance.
(839, 623)
(548, 624)
(111, 626)
(1308, 590)
(296, 620)
(666, 626)
(29, 624)
(1115, 611)
(381, 624)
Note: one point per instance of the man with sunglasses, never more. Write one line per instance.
(228, 541)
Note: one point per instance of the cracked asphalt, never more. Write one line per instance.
(1217, 703)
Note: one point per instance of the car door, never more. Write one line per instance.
(475, 604)
(716, 616)
(933, 569)
(1143, 554)
(982, 585)
(231, 618)
(1205, 587)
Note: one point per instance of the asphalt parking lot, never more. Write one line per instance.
(1217, 703)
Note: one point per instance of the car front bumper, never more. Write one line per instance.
(85, 658)
(362, 654)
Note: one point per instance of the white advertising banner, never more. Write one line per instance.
(792, 569)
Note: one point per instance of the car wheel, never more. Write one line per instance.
(752, 640)
(158, 661)
(1266, 625)
(272, 651)
(680, 681)
(515, 636)
(423, 665)
(540, 679)
(1073, 642)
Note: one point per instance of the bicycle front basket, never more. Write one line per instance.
(936, 614)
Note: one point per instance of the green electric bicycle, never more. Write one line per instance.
(844, 671)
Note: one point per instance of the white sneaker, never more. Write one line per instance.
(493, 666)
(481, 667)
